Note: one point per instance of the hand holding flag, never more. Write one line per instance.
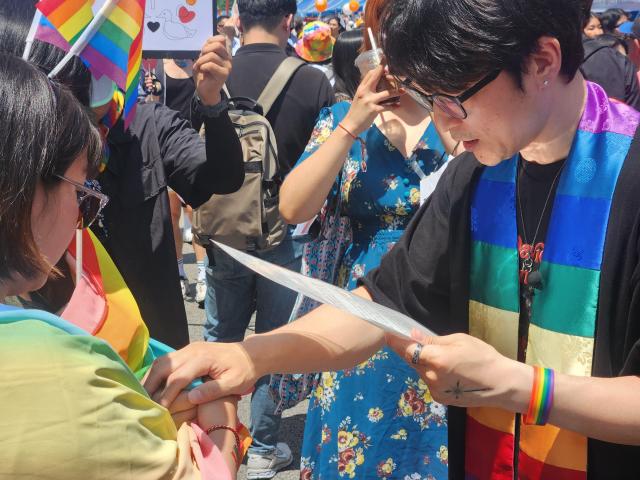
(212, 69)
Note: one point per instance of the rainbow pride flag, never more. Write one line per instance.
(563, 324)
(63, 21)
(114, 49)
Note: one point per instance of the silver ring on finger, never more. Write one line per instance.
(415, 359)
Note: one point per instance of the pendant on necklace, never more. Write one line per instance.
(530, 260)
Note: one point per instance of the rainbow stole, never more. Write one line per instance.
(562, 329)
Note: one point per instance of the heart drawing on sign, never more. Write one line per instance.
(186, 15)
(153, 26)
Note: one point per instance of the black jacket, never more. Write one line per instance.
(426, 276)
(612, 70)
(159, 150)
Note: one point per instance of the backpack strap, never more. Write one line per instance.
(225, 89)
(278, 81)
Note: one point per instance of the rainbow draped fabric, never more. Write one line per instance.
(562, 329)
(115, 50)
(72, 409)
(103, 306)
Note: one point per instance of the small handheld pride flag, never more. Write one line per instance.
(109, 43)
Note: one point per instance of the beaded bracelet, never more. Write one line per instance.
(541, 397)
(238, 446)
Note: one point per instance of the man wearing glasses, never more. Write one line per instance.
(526, 258)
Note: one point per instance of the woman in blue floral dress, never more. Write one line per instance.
(377, 420)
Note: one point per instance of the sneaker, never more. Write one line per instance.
(201, 292)
(266, 466)
(187, 235)
(184, 286)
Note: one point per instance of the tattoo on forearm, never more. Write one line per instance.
(459, 390)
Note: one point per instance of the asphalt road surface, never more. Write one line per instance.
(292, 426)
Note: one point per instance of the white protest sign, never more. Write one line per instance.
(177, 28)
(378, 315)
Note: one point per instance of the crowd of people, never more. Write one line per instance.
(471, 164)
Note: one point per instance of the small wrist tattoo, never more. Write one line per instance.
(458, 391)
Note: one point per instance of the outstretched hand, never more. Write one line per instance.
(464, 371)
(231, 370)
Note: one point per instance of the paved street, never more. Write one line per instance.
(293, 420)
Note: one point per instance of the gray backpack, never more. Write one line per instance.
(249, 219)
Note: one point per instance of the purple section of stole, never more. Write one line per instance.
(605, 115)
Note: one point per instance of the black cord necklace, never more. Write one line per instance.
(530, 253)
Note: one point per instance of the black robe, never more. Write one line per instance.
(426, 276)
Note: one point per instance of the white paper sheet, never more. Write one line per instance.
(428, 184)
(378, 315)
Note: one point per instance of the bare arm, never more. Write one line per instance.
(306, 188)
(325, 339)
(308, 185)
(222, 412)
(578, 405)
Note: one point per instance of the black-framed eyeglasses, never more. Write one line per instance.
(449, 104)
(90, 201)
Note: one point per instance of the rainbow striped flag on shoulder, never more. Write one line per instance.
(109, 43)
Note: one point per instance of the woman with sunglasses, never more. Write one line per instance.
(71, 407)
(380, 176)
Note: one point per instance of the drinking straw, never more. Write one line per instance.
(374, 46)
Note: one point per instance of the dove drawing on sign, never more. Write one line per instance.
(174, 30)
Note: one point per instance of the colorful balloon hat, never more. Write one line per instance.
(316, 44)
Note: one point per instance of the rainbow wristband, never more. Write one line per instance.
(541, 397)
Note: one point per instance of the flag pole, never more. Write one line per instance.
(78, 257)
(86, 36)
(32, 35)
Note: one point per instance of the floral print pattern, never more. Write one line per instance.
(376, 420)
(416, 402)
(351, 446)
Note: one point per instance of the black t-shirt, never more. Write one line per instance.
(536, 184)
(294, 114)
(179, 93)
(536, 191)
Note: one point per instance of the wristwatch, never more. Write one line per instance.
(207, 111)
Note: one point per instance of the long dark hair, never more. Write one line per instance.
(610, 19)
(345, 51)
(44, 130)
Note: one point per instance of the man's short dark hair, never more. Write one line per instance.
(447, 45)
(265, 13)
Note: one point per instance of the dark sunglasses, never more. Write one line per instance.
(451, 105)
(90, 201)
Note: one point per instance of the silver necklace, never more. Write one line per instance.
(527, 250)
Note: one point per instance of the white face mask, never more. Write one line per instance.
(102, 91)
